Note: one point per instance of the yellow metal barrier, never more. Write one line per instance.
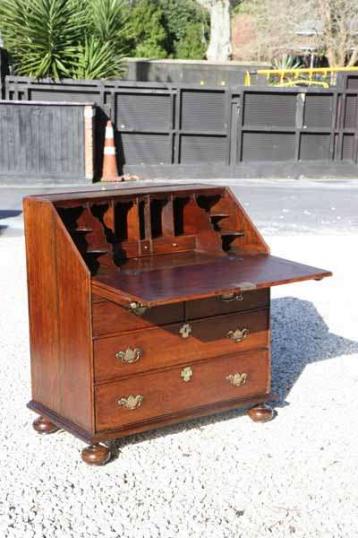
(319, 76)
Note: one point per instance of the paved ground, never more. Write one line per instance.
(283, 206)
(224, 476)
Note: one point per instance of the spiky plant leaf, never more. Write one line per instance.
(42, 36)
(107, 21)
(63, 38)
(287, 61)
(98, 60)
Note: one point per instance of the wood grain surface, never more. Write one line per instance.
(163, 346)
(165, 392)
(224, 275)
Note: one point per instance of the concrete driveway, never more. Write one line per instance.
(275, 205)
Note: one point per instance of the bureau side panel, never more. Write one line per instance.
(43, 305)
(59, 311)
(74, 327)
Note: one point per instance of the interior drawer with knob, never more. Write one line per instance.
(173, 344)
(111, 318)
(227, 303)
(183, 388)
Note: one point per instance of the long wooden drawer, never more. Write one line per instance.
(159, 394)
(111, 318)
(226, 304)
(162, 346)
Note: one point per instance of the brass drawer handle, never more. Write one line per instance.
(137, 308)
(230, 297)
(130, 355)
(237, 379)
(131, 402)
(185, 330)
(186, 374)
(238, 334)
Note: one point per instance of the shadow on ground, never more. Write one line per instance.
(8, 214)
(299, 337)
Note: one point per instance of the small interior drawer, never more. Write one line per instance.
(159, 347)
(144, 397)
(111, 318)
(225, 304)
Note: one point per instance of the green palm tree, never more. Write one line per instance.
(64, 38)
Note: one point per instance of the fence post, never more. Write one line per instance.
(89, 114)
(4, 70)
(300, 113)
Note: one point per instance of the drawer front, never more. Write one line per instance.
(111, 318)
(162, 346)
(149, 396)
(222, 304)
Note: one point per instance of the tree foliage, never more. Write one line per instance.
(167, 29)
(336, 30)
(328, 27)
(89, 38)
(188, 26)
(146, 33)
(41, 36)
(64, 38)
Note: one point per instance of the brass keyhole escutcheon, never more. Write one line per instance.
(185, 330)
(237, 379)
(186, 373)
(238, 335)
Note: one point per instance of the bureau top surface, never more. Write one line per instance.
(211, 277)
(125, 190)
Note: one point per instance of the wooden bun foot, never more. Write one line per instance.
(43, 425)
(261, 413)
(96, 455)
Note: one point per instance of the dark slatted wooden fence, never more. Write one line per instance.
(173, 125)
(44, 140)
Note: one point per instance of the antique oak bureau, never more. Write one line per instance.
(148, 305)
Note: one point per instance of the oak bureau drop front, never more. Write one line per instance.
(148, 305)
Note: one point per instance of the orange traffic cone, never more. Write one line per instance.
(109, 170)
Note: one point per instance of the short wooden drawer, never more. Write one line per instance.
(144, 397)
(111, 318)
(155, 348)
(226, 304)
